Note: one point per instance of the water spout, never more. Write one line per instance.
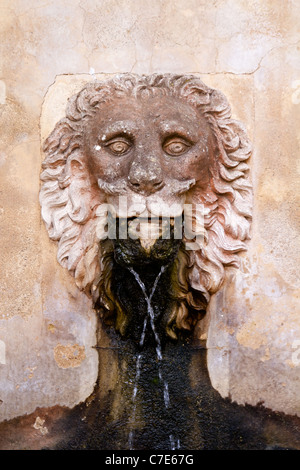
(151, 316)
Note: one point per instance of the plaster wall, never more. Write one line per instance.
(248, 50)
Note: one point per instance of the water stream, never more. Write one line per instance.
(150, 316)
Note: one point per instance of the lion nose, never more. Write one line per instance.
(145, 179)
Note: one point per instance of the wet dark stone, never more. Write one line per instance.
(198, 418)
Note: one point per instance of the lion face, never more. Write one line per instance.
(159, 142)
(155, 149)
(152, 152)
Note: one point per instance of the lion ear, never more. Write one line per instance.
(61, 143)
(219, 104)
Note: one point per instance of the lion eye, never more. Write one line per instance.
(118, 147)
(176, 147)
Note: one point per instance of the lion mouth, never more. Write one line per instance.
(150, 229)
(147, 229)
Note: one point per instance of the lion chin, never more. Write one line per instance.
(201, 162)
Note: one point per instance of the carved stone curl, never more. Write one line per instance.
(162, 141)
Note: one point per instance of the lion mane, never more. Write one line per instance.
(69, 200)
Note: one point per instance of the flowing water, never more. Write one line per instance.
(150, 317)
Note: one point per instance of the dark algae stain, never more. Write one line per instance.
(197, 418)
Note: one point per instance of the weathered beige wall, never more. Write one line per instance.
(249, 50)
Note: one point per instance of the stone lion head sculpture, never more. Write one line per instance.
(161, 141)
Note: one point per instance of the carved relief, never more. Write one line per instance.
(161, 142)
